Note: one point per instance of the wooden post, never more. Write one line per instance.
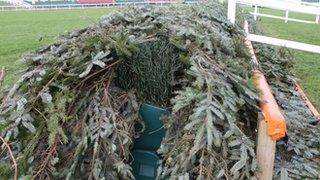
(304, 97)
(2, 75)
(266, 149)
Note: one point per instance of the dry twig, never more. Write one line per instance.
(12, 157)
(2, 74)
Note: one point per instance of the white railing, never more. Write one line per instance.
(17, 3)
(285, 18)
(317, 4)
(82, 6)
(284, 43)
(280, 5)
(287, 6)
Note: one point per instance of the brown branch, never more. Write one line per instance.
(12, 157)
(2, 74)
(201, 163)
(44, 164)
(97, 72)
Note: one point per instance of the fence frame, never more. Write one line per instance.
(302, 7)
(280, 5)
(94, 5)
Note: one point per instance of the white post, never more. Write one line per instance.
(232, 10)
(255, 12)
(318, 16)
(287, 15)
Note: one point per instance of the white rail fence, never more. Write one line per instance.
(82, 6)
(295, 6)
(17, 3)
(280, 5)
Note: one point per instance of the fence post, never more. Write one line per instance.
(317, 19)
(266, 149)
(232, 10)
(287, 15)
(255, 12)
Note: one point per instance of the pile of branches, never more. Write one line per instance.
(73, 111)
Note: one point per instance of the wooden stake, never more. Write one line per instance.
(266, 149)
(312, 109)
(2, 74)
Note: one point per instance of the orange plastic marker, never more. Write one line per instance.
(276, 124)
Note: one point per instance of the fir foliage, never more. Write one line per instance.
(72, 113)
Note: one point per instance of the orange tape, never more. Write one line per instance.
(307, 101)
(276, 124)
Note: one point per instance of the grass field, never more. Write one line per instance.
(20, 32)
(307, 65)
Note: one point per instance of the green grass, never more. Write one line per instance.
(307, 65)
(20, 31)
